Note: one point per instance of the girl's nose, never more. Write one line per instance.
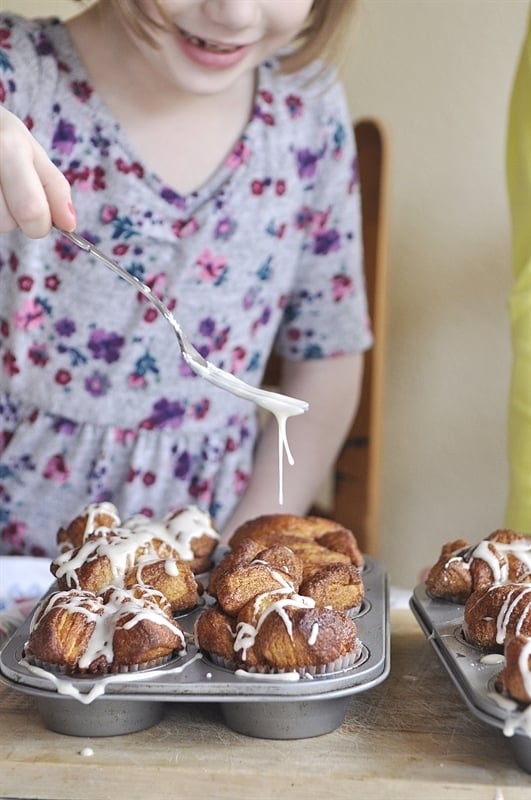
(234, 14)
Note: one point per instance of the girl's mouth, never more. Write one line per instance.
(206, 44)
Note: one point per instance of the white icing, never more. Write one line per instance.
(139, 540)
(313, 634)
(492, 658)
(66, 687)
(270, 676)
(107, 617)
(281, 406)
(246, 632)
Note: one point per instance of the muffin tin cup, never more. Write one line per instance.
(472, 673)
(274, 706)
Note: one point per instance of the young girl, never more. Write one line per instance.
(203, 146)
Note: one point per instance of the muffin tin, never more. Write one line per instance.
(263, 706)
(473, 671)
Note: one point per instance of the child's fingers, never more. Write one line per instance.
(22, 189)
(57, 191)
(34, 192)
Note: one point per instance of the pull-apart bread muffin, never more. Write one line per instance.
(97, 550)
(515, 678)
(261, 621)
(188, 531)
(316, 540)
(248, 570)
(494, 614)
(77, 632)
(462, 568)
(124, 558)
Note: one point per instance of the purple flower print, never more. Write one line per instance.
(207, 327)
(65, 327)
(182, 465)
(165, 414)
(64, 137)
(97, 385)
(307, 162)
(225, 229)
(326, 242)
(63, 425)
(105, 345)
(173, 198)
(44, 46)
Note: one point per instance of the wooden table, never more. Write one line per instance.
(409, 738)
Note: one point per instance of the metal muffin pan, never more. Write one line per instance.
(269, 707)
(473, 674)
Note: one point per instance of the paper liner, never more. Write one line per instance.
(354, 611)
(340, 664)
(113, 669)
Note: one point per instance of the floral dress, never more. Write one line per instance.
(95, 401)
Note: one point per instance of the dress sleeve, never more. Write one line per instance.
(518, 163)
(326, 312)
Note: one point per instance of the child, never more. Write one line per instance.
(213, 159)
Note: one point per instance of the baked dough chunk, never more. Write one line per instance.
(311, 637)
(450, 578)
(174, 578)
(94, 520)
(338, 586)
(515, 678)
(461, 569)
(80, 632)
(318, 541)
(494, 613)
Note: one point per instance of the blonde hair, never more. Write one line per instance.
(325, 25)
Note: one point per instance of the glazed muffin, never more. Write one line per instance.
(461, 569)
(316, 540)
(78, 632)
(514, 680)
(493, 614)
(94, 520)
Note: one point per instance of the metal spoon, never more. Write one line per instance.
(272, 401)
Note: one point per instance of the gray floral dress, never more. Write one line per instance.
(95, 401)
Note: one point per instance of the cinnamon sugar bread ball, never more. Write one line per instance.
(316, 540)
(80, 632)
(496, 612)
(515, 678)
(461, 569)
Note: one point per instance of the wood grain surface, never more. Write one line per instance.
(409, 738)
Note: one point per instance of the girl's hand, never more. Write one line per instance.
(34, 194)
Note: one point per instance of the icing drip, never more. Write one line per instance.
(246, 632)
